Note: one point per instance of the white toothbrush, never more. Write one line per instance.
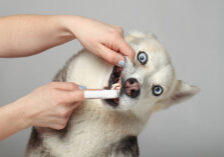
(101, 94)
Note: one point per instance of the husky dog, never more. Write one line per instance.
(109, 128)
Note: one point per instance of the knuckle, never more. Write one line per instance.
(64, 114)
(59, 127)
(120, 29)
(113, 57)
(65, 121)
(116, 35)
(58, 101)
(63, 124)
(60, 98)
(101, 55)
(73, 86)
(100, 52)
(55, 127)
(110, 56)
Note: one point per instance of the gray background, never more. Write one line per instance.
(191, 30)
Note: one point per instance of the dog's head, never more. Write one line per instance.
(149, 83)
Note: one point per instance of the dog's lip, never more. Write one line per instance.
(115, 78)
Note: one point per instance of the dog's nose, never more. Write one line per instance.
(132, 88)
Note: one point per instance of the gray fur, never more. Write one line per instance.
(127, 147)
(96, 131)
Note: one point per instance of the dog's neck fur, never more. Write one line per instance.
(94, 128)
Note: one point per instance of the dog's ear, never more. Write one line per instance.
(137, 34)
(182, 92)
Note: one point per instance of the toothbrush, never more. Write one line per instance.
(101, 94)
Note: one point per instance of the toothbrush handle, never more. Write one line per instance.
(101, 94)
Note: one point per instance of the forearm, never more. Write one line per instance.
(25, 35)
(13, 118)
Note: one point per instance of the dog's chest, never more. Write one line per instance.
(82, 144)
(92, 143)
(89, 134)
(93, 132)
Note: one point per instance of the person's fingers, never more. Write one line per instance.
(59, 123)
(72, 106)
(64, 85)
(120, 30)
(125, 49)
(73, 96)
(111, 56)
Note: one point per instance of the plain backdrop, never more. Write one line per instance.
(192, 32)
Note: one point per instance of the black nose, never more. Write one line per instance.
(132, 88)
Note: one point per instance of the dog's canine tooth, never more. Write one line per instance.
(116, 86)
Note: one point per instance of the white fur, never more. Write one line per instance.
(94, 126)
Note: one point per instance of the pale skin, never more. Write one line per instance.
(51, 105)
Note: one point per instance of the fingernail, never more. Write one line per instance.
(121, 63)
(82, 87)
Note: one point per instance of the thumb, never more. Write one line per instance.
(125, 49)
(111, 57)
(74, 96)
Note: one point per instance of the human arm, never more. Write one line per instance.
(47, 106)
(26, 35)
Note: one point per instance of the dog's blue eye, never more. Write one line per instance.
(157, 90)
(142, 57)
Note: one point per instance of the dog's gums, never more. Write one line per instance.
(114, 83)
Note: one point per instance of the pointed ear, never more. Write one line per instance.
(137, 34)
(182, 92)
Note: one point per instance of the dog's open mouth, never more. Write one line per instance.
(115, 82)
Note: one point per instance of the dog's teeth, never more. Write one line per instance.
(116, 86)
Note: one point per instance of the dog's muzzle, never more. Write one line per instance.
(131, 87)
(118, 81)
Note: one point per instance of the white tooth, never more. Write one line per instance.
(115, 86)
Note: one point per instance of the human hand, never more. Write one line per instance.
(104, 40)
(51, 105)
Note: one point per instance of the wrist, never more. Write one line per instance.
(12, 119)
(63, 25)
(21, 110)
(71, 24)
